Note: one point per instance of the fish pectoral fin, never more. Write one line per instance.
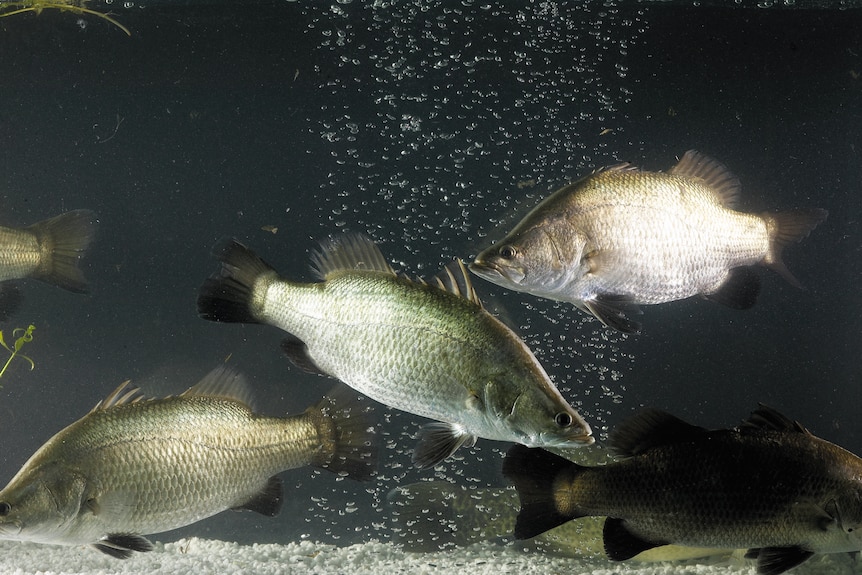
(297, 352)
(621, 544)
(122, 545)
(267, 501)
(611, 311)
(776, 560)
(437, 441)
(739, 289)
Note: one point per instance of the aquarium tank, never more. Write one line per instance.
(431, 128)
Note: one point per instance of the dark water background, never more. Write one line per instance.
(432, 127)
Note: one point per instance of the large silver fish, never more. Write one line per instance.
(622, 237)
(430, 350)
(768, 485)
(48, 251)
(134, 466)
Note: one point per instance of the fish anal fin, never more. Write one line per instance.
(611, 310)
(621, 544)
(786, 228)
(739, 289)
(716, 176)
(538, 476)
(296, 350)
(437, 441)
(650, 428)
(777, 560)
(350, 252)
(267, 501)
(122, 545)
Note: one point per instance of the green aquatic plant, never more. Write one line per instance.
(36, 6)
(26, 337)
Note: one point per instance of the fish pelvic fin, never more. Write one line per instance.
(612, 311)
(122, 545)
(541, 478)
(786, 228)
(777, 560)
(62, 241)
(437, 441)
(621, 544)
(228, 295)
(348, 437)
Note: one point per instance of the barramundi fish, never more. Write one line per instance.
(768, 486)
(621, 237)
(430, 350)
(135, 466)
(48, 251)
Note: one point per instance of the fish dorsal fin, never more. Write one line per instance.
(350, 252)
(648, 429)
(455, 280)
(224, 382)
(768, 419)
(621, 167)
(124, 393)
(715, 175)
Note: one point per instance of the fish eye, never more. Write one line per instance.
(5, 508)
(508, 252)
(563, 419)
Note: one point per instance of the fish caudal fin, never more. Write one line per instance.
(228, 296)
(122, 545)
(347, 434)
(439, 440)
(62, 241)
(534, 472)
(786, 228)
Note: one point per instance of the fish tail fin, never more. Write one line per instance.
(62, 241)
(786, 228)
(229, 295)
(538, 476)
(348, 444)
(437, 515)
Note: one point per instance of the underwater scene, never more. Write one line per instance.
(430, 287)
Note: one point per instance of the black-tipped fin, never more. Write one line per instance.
(350, 252)
(612, 311)
(63, 240)
(739, 290)
(769, 419)
(777, 560)
(715, 175)
(297, 352)
(650, 428)
(437, 441)
(534, 473)
(348, 437)
(122, 545)
(621, 544)
(267, 501)
(226, 296)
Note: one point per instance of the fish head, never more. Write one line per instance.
(536, 416)
(534, 260)
(39, 506)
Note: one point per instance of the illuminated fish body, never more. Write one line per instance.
(429, 350)
(135, 466)
(622, 237)
(768, 486)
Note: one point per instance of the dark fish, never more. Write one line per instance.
(769, 486)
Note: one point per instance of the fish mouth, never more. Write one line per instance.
(496, 273)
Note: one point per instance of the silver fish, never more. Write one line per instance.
(768, 485)
(622, 237)
(134, 466)
(430, 350)
(48, 251)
